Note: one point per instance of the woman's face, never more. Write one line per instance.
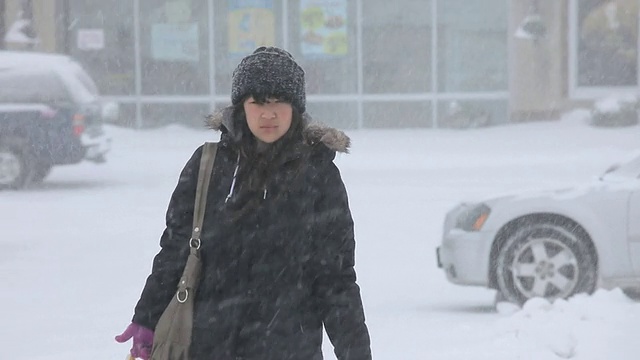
(268, 121)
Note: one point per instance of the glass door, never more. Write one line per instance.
(604, 45)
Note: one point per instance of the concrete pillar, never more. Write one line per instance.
(538, 68)
(44, 15)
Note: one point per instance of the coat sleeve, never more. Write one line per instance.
(169, 263)
(335, 289)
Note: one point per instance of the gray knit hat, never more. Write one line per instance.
(269, 71)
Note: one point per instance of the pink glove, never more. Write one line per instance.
(142, 340)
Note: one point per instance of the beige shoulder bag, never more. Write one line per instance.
(172, 336)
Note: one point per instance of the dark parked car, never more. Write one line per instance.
(50, 114)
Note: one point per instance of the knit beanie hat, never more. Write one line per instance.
(269, 71)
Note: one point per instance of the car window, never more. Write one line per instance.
(85, 79)
(79, 83)
(25, 86)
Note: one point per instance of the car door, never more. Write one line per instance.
(627, 177)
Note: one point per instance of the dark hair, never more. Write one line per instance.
(256, 167)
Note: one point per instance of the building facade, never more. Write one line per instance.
(369, 64)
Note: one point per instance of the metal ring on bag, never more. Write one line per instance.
(186, 295)
(194, 243)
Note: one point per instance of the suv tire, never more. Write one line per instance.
(40, 172)
(16, 165)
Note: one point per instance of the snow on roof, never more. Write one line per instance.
(32, 59)
(77, 81)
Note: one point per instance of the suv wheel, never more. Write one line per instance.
(545, 260)
(15, 168)
(40, 172)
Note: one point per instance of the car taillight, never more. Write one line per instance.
(78, 124)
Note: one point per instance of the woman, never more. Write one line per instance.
(277, 240)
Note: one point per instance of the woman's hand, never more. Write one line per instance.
(142, 340)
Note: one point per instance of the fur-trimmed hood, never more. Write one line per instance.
(314, 132)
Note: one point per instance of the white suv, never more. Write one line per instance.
(50, 114)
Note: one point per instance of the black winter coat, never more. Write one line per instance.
(272, 281)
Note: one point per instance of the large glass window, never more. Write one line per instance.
(397, 114)
(396, 45)
(607, 43)
(343, 115)
(240, 27)
(464, 113)
(322, 37)
(472, 45)
(194, 115)
(101, 38)
(174, 47)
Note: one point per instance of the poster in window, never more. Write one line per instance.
(323, 26)
(251, 24)
(175, 42)
(90, 39)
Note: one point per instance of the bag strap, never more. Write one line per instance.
(209, 151)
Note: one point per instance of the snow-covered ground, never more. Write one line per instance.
(75, 252)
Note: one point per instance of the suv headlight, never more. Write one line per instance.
(473, 217)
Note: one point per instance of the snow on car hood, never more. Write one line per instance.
(605, 184)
